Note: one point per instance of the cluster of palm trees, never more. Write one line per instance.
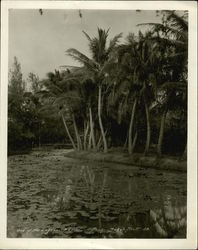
(125, 83)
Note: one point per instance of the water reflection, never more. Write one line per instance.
(89, 178)
(105, 172)
(95, 201)
(170, 220)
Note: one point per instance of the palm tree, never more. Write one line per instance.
(96, 66)
(88, 95)
(127, 63)
(89, 91)
(60, 98)
(145, 72)
(136, 64)
(170, 39)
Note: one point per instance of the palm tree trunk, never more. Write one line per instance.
(89, 145)
(131, 127)
(105, 175)
(85, 135)
(134, 141)
(161, 134)
(92, 129)
(99, 142)
(125, 143)
(79, 143)
(148, 135)
(68, 133)
(100, 120)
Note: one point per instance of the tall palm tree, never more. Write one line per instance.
(170, 39)
(145, 71)
(136, 64)
(96, 66)
(127, 64)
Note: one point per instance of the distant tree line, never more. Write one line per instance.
(27, 126)
(131, 95)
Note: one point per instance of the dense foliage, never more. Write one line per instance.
(131, 95)
(27, 126)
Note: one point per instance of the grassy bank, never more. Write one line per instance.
(115, 156)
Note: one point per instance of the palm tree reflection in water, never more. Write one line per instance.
(89, 177)
(105, 173)
(166, 222)
(170, 220)
(89, 198)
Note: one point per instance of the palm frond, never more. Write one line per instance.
(157, 27)
(45, 94)
(168, 41)
(49, 110)
(113, 42)
(52, 86)
(68, 96)
(81, 58)
(87, 36)
(174, 86)
(98, 46)
(177, 21)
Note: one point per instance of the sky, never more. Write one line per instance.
(40, 41)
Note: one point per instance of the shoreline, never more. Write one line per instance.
(137, 160)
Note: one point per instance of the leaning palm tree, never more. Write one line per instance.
(60, 99)
(96, 66)
(87, 91)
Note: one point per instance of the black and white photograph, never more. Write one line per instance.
(97, 124)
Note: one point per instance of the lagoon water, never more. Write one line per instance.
(52, 196)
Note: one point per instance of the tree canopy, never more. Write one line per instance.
(131, 94)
